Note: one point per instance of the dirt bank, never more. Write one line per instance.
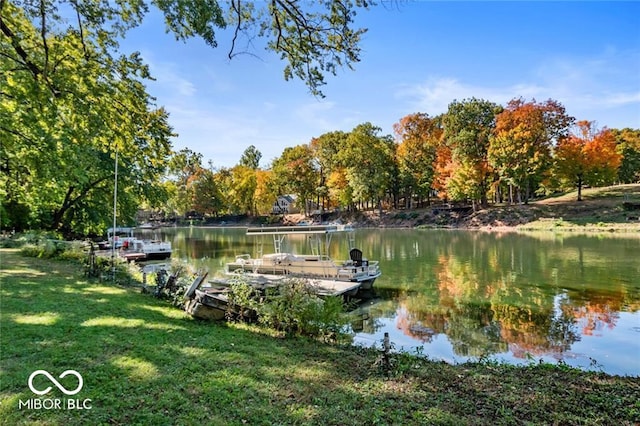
(615, 208)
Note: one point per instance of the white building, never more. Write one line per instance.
(284, 204)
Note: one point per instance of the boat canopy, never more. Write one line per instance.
(280, 233)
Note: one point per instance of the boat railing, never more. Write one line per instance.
(373, 267)
(243, 258)
(314, 257)
(350, 270)
(305, 265)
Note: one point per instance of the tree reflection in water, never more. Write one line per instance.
(460, 294)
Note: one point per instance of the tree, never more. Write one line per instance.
(184, 168)
(224, 182)
(206, 196)
(520, 148)
(339, 189)
(468, 126)
(369, 162)
(294, 172)
(587, 156)
(313, 40)
(265, 193)
(67, 106)
(251, 158)
(628, 145)
(242, 188)
(443, 170)
(418, 137)
(325, 150)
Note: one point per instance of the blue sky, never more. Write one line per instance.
(417, 56)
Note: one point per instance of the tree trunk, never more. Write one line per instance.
(579, 187)
(69, 202)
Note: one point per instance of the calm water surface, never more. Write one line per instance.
(459, 295)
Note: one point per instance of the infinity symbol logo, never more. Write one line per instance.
(55, 382)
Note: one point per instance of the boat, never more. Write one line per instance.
(133, 248)
(350, 279)
(360, 273)
(213, 299)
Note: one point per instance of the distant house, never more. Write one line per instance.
(284, 204)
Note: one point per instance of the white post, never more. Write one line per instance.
(113, 236)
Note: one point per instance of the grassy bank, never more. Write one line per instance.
(144, 362)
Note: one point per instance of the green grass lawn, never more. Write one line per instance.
(144, 362)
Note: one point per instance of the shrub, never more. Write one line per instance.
(74, 251)
(293, 307)
(46, 249)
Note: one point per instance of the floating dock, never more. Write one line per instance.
(210, 301)
(324, 287)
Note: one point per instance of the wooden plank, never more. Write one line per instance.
(334, 288)
(194, 286)
(325, 287)
(133, 256)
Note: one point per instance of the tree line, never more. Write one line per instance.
(477, 152)
(72, 106)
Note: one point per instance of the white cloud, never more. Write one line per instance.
(605, 89)
(593, 85)
(315, 114)
(168, 78)
(434, 96)
(621, 99)
(324, 116)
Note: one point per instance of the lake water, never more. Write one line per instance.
(460, 295)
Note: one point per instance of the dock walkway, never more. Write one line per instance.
(324, 287)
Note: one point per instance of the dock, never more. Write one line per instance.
(210, 301)
(133, 257)
(324, 287)
(299, 229)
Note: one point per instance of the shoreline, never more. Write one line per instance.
(608, 228)
(150, 350)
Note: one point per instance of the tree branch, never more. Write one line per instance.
(80, 28)
(236, 30)
(17, 133)
(43, 35)
(33, 68)
(69, 202)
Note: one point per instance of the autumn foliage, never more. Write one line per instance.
(521, 147)
(588, 157)
(476, 153)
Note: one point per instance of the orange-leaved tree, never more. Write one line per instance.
(443, 170)
(418, 137)
(520, 148)
(587, 156)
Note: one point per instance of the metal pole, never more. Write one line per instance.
(113, 235)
